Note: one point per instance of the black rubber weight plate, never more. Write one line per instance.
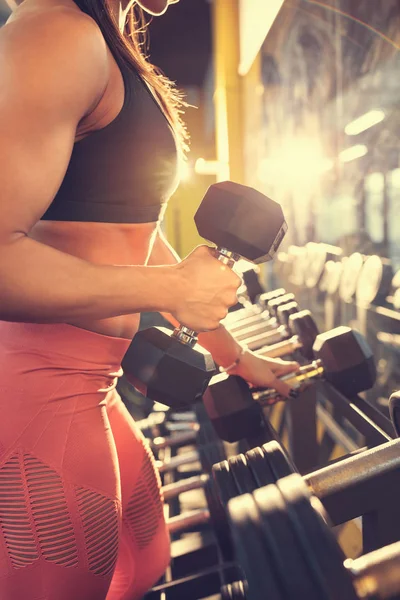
(242, 475)
(259, 467)
(250, 550)
(321, 550)
(289, 564)
(219, 489)
(277, 460)
(224, 482)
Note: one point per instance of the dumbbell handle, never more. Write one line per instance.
(328, 482)
(187, 520)
(281, 348)
(263, 328)
(172, 490)
(377, 574)
(247, 322)
(179, 439)
(187, 336)
(304, 377)
(268, 338)
(269, 332)
(177, 461)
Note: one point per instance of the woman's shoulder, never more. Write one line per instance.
(57, 46)
(59, 26)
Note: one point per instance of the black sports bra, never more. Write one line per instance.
(125, 172)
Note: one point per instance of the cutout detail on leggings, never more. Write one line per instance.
(100, 522)
(144, 511)
(14, 515)
(50, 512)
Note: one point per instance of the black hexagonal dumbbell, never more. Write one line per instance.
(274, 331)
(251, 280)
(252, 311)
(343, 358)
(304, 329)
(263, 313)
(170, 367)
(265, 323)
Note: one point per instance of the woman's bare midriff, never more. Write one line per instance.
(101, 243)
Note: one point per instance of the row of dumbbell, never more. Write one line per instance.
(366, 279)
(266, 466)
(341, 356)
(298, 332)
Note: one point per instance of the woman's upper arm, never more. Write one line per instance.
(53, 71)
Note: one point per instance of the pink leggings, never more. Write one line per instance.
(80, 509)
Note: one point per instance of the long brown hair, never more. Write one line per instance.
(130, 46)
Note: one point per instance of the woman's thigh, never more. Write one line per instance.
(60, 510)
(144, 550)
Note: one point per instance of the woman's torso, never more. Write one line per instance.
(102, 243)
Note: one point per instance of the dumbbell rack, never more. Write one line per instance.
(321, 402)
(197, 568)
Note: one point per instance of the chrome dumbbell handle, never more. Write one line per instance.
(177, 461)
(377, 574)
(172, 490)
(281, 348)
(179, 439)
(304, 377)
(193, 518)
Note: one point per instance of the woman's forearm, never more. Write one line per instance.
(220, 343)
(41, 284)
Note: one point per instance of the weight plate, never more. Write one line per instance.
(234, 591)
(219, 490)
(322, 552)
(351, 271)
(394, 405)
(224, 482)
(317, 257)
(289, 564)
(239, 590)
(251, 552)
(259, 467)
(299, 267)
(226, 592)
(374, 282)
(277, 460)
(396, 299)
(242, 475)
(396, 281)
(333, 280)
(328, 268)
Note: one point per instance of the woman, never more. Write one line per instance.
(90, 136)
